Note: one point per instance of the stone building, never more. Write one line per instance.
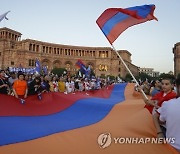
(149, 71)
(103, 60)
(176, 51)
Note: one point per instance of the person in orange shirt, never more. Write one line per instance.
(20, 88)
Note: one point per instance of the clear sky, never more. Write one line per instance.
(73, 22)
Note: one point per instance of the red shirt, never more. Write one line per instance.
(160, 98)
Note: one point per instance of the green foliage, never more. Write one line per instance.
(111, 77)
(58, 71)
(92, 73)
(128, 78)
(144, 76)
(103, 76)
(164, 75)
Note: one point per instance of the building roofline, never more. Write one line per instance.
(125, 51)
(62, 45)
(177, 44)
(65, 45)
(132, 64)
(11, 30)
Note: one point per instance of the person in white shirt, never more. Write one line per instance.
(86, 85)
(69, 85)
(169, 114)
(81, 85)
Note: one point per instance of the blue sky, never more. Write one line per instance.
(73, 22)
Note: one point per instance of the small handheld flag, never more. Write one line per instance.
(81, 65)
(45, 70)
(38, 67)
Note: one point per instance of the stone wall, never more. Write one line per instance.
(176, 51)
(103, 60)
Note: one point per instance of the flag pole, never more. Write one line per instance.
(128, 70)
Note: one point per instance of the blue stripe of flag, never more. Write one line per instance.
(143, 11)
(119, 17)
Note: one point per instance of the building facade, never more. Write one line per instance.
(103, 60)
(176, 52)
(149, 71)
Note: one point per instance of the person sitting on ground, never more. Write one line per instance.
(4, 87)
(20, 88)
(169, 114)
(166, 94)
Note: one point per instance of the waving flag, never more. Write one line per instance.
(45, 70)
(34, 122)
(81, 65)
(38, 67)
(4, 16)
(88, 72)
(114, 21)
(72, 123)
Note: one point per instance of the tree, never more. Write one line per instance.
(102, 76)
(128, 78)
(164, 75)
(144, 77)
(111, 77)
(59, 71)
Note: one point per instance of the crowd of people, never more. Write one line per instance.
(164, 105)
(162, 92)
(22, 85)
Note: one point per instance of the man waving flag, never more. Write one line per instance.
(114, 21)
(4, 16)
